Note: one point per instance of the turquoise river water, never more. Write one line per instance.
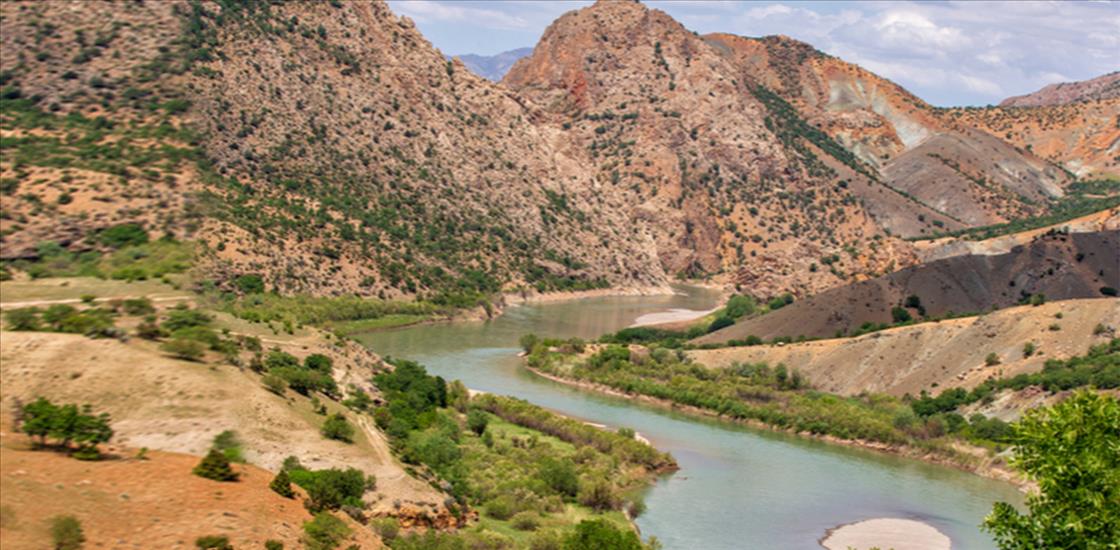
(738, 487)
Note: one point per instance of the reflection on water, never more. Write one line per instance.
(737, 487)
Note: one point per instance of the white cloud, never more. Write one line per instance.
(429, 10)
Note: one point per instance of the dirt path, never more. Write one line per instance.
(30, 303)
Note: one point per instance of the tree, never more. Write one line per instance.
(599, 534)
(67, 424)
(319, 362)
(282, 485)
(900, 315)
(336, 427)
(1070, 450)
(477, 420)
(66, 533)
(215, 466)
(560, 476)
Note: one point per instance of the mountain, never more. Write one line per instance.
(1095, 89)
(1056, 265)
(493, 67)
(330, 149)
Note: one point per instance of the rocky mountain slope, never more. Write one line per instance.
(940, 355)
(1102, 87)
(493, 67)
(1057, 265)
(331, 149)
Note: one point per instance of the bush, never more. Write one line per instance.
(274, 384)
(332, 488)
(138, 306)
(123, 235)
(178, 319)
(324, 532)
(229, 445)
(319, 362)
(182, 348)
(386, 528)
(525, 521)
(720, 322)
(477, 420)
(501, 508)
(1028, 349)
(600, 534)
(66, 533)
(900, 315)
(213, 542)
(272, 544)
(249, 284)
(215, 466)
(599, 495)
(26, 318)
(560, 476)
(338, 428)
(282, 485)
(992, 359)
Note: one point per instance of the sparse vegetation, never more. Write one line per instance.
(66, 533)
(215, 466)
(68, 425)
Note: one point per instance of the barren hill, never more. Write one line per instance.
(1102, 87)
(1057, 265)
(154, 502)
(938, 355)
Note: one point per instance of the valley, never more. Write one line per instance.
(287, 275)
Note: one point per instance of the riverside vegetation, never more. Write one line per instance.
(779, 397)
(539, 480)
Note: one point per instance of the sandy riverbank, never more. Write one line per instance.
(899, 534)
(533, 297)
(671, 316)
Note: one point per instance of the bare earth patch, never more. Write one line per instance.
(899, 534)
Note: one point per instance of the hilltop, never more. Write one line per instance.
(1095, 89)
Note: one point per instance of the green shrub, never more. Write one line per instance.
(215, 466)
(26, 318)
(477, 420)
(274, 384)
(178, 319)
(387, 528)
(900, 315)
(337, 427)
(282, 485)
(992, 359)
(249, 284)
(319, 362)
(324, 532)
(127, 234)
(332, 488)
(501, 508)
(138, 306)
(526, 521)
(189, 350)
(228, 444)
(66, 533)
(272, 544)
(213, 542)
(600, 534)
(720, 322)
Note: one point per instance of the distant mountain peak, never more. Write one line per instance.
(493, 67)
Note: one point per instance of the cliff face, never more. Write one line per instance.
(727, 175)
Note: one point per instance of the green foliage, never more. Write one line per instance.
(526, 414)
(26, 318)
(215, 466)
(272, 544)
(325, 532)
(338, 428)
(900, 315)
(120, 236)
(66, 533)
(739, 306)
(282, 485)
(67, 425)
(598, 534)
(312, 310)
(992, 359)
(1073, 205)
(477, 421)
(178, 319)
(332, 488)
(213, 542)
(249, 284)
(229, 444)
(1070, 450)
(183, 348)
(720, 322)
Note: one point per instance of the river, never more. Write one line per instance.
(738, 487)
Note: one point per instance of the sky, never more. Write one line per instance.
(948, 53)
